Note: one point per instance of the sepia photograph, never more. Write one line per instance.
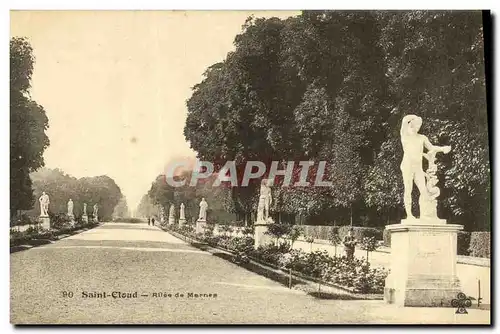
(230, 167)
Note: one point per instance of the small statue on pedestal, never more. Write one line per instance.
(265, 200)
(203, 210)
(182, 215)
(70, 208)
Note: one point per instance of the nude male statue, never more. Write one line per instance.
(411, 166)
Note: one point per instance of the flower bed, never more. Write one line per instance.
(352, 274)
(36, 233)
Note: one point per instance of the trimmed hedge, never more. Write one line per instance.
(480, 244)
(387, 238)
(318, 231)
(361, 232)
(463, 242)
(324, 232)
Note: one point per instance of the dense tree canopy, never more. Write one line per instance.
(28, 123)
(333, 86)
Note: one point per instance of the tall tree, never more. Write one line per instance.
(436, 70)
(28, 123)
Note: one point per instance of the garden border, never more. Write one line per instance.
(274, 269)
(26, 245)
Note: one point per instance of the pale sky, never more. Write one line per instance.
(114, 85)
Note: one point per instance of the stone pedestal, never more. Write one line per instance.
(260, 236)
(171, 220)
(85, 218)
(200, 225)
(182, 222)
(45, 222)
(423, 263)
(96, 219)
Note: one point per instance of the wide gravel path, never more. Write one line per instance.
(175, 284)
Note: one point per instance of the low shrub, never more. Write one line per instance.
(23, 219)
(241, 244)
(334, 236)
(480, 244)
(369, 244)
(31, 233)
(351, 273)
(268, 253)
(278, 231)
(59, 221)
(249, 230)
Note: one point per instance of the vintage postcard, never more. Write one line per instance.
(238, 167)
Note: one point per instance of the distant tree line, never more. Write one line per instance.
(161, 194)
(121, 209)
(100, 190)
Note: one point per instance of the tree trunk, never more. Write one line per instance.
(351, 214)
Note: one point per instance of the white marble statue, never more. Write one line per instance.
(411, 167)
(44, 205)
(265, 200)
(182, 215)
(96, 208)
(84, 209)
(171, 213)
(70, 207)
(162, 214)
(203, 210)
